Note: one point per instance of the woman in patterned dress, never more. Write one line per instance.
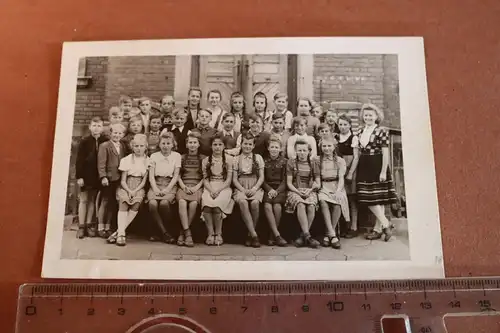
(332, 196)
(374, 186)
(216, 199)
(303, 180)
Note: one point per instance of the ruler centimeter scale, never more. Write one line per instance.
(257, 307)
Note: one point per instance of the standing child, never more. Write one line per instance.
(260, 106)
(108, 160)
(332, 196)
(130, 194)
(115, 115)
(154, 133)
(206, 132)
(324, 131)
(214, 99)
(303, 180)
(348, 150)
(87, 176)
(248, 176)
(239, 110)
(193, 107)
(275, 188)
(135, 126)
(304, 107)
(145, 114)
(374, 186)
(163, 178)
(229, 134)
(216, 199)
(281, 102)
(125, 105)
(180, 130)
(190, 183)
(317, 112)
(331, 118)
(167, 105)
(261, 138)
(279, 131)
(299, 134)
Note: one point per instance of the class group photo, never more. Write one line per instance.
(237, 157)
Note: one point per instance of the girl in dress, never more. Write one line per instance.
(304, 108)
(190, 183)
(374, 186)
(248, 176)
(275, 188)
(331, 118)
(130, 194)
(348, 144)
(163, 178)
(299, 125)
(216, 198)
(260, 106)
(135, 126)
(238, 109)
(332, 196)
(303, 180)
(214, 99)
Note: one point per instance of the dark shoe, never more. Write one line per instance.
(168, 239)
(81, 232)
(312, 243)
(255, 242)
(373, 235)
(299, 242)
(280, 241)
(351, 234)
(388, 233)
(91, 232)
(102, 234)
(335, 243)
(327, 241)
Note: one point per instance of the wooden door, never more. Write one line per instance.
(266, 73)
(221, 72)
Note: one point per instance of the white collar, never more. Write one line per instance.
(179, 128)
(231, 132)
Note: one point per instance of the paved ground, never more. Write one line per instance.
(139, 249)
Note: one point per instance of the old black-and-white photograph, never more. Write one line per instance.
(239, 157)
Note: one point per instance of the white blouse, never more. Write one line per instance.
(134, 166)
(165, 165)
(365, 135)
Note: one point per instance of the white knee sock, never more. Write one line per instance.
(122, 223)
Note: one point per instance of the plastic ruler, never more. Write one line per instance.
(266, 307)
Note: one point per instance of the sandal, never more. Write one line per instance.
(312, 243)
(255, 242)
(327, 241)
(112, 238)
(181, 240)
(373, 235)
(168, 239)
(91, 232)
(299, 242)
(218, 240)
(121, 241)
(280, 241)
(210, 240)
(188, 240)
(351, 234)
(388, 234)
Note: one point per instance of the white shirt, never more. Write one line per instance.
(365, 135)
(225, 133)
(134, 166)
(118, 146)
(180, 128)
(215, 116)
(145, 121)
(166, 165)
(307, 138)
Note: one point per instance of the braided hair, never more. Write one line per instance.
(208, 169)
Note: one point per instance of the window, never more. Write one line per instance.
(82, 80)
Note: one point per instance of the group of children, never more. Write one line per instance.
(214, 159)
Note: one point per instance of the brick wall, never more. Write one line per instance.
(153, 77)
(359, 78)
(89, 100)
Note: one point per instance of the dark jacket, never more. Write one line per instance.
(86, 161)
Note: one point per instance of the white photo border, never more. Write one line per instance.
(420, 182)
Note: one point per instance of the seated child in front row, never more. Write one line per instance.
(275, 188)
(163, 177)
(130, 194)
(108, 160)
(248, 176)
(332, 195)
(190, 187)
(87, 176)
(303, 180)
(216, 199)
